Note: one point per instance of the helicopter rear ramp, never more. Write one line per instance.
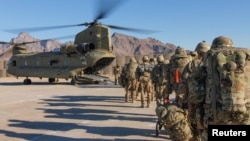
(93, 78)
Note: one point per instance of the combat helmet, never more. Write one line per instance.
(132, 60)
(202, 47)
(193, 53)
(160, 59)
(222, 41)
(180, 52)
(145, 58)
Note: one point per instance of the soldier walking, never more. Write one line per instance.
(143, 75)
(117, 72)
(176, 66)
(159, 79)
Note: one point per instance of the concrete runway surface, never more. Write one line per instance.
(63, 112)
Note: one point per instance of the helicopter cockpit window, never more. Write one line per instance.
(14, 63)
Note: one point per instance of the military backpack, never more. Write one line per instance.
(175, 121)
(227, 85)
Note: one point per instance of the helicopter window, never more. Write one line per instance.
(51, 62)
(65, 63)
(90, 33)
(14, 63)
(25, 63)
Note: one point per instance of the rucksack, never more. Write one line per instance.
(122, 80)
(177, 65)
(131, 70)
(174, 120)
(227, 85)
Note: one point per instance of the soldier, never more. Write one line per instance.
(117, 72)
(122, 79)
(143, 75)
(224, 93)
(193, 55)
(190, 76)
(131, 86)
(159, 79)
(153, 62)
(190, 68)
(176, 66)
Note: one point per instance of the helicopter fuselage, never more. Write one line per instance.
(57, 65)
(92, 51)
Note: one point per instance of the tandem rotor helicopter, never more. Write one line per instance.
(91, 52)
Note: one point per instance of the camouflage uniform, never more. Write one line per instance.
(122, 80)
(174, 120)
(193, 55)
(131, 86)
(143, 75)
(176, 66)
(117, 71)
(226, 83)
(192, 81)
(159, 79)
(153, 62)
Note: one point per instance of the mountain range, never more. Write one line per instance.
(123, 45)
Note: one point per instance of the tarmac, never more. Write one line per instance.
(64, 112)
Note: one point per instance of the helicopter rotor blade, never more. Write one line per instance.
(4, 42)
(23, 43)
(50, 39)
(133, 29)
(35, 29)
(105, 8)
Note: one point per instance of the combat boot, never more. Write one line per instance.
(138, 96)
(126, 98)
(143, 105)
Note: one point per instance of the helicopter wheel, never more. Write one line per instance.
(52, 80)
(27, 81)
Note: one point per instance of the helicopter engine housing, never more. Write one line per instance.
(85, 47)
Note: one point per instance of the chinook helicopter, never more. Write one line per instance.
(71, 62)
(91, 52)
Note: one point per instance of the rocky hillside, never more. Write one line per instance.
(123, 45)
(126, 45)
(46, 45)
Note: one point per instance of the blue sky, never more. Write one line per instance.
(181, 22)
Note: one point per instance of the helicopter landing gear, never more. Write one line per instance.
(27, 81)
(52, 80)
(73, 81)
